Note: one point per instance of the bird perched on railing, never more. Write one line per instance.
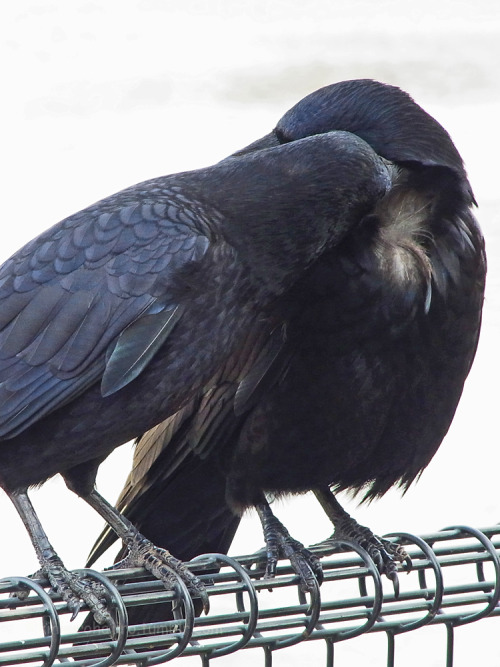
(326, 283)
(356, 369)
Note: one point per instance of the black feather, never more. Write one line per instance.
(350, 377)
(303, 314)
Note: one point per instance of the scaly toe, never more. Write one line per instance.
(385, 554)
(396, 551)
(165, 567)
(23, 591)
(75, 590)
(305, 564)
(304, 568)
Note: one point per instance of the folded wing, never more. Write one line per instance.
(90, 299)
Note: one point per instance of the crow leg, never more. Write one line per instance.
(385, 554)
(72, 588)
(279, 544)
(143, 553)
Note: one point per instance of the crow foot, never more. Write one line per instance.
(163, 566)
(143, 553)
(75, 590)
(279, 544)
(385, 554)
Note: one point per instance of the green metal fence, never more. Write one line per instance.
(454, 580)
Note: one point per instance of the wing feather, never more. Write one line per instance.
(89, 298)
(136, 346)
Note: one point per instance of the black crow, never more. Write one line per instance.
(120, 315)
(356, 381)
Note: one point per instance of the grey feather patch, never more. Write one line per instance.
(135, 348)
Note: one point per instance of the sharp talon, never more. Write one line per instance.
(315, 564)
(205, 601)
(165, 567)
(385, 554)
(280, 544)
(270, 568)
(76, 606)
(307, 583)
(409, 564)
(395, 582)
(270, 572)
(112, 628)
(21, 594)
(307, 566)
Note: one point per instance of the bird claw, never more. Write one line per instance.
(267, 561)
(304, 563)
(393, 576)
(165, 567)
(271, 566)
(279, 544)
(74, 605)
(308, 567)
(22, 591)
(76, 590)
(385, 554)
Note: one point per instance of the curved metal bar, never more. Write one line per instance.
(313, 612)
(490, 548)
(377, 582)
(429, 601)
(189, 614)
(50, 610)
(438, 574)
(121, 611)
(254, 606)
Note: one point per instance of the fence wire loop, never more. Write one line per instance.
(253, 616)
(115, 601)
(311, 615)
(348, 606)
(189, 616)
(437, 593)
(53, 631)
(493, 553)
(377, 583)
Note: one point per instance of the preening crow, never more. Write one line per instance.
(350, 376)
(343, 234)
(117, 317)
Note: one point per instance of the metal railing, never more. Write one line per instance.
(454, 580)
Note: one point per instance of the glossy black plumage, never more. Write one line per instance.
(189, 247)
(311, 305)
(356, 381)
(117, 317)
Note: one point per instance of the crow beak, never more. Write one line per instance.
(267, 141)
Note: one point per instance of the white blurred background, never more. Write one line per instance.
(99, 95)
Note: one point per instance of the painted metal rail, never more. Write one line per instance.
(454, 580)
